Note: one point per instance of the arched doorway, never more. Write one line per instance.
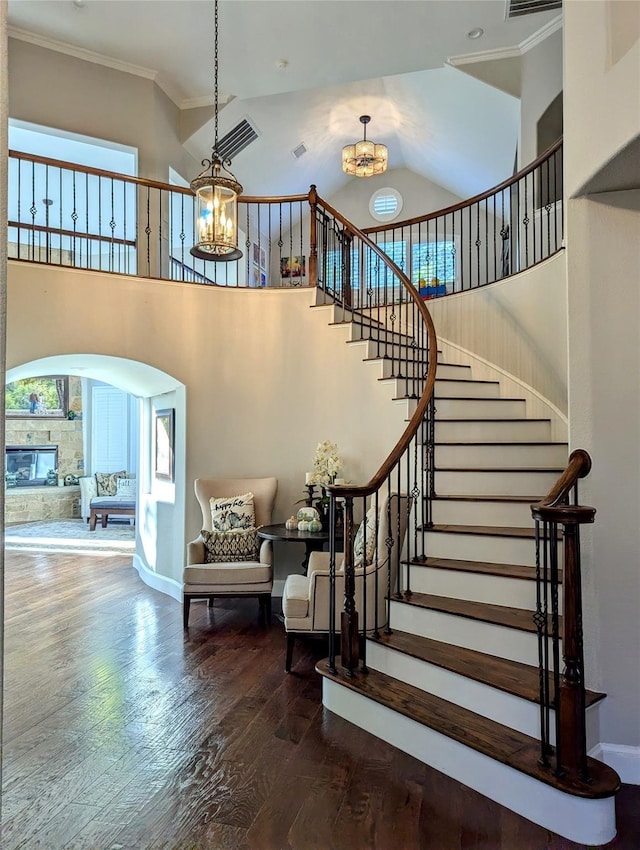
(160, 534)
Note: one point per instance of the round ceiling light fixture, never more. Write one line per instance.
(476, 32)
(365, 158)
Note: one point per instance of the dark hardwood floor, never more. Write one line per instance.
(121, 732)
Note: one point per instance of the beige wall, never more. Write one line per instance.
(602, 80)
(132, 110)
(541, 83)
(519, 325)
(265, 379)
(604, 373)
(420, 196)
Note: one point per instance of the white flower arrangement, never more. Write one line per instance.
(326, 464)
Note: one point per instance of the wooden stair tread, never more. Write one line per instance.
(486, 531)
(464, 380)
(486, 498)
(513, 677)
(510, 420)
(494, 740)
(474, 398)
(509, 469)
(498, 615)
(501, 443)
(486, 568)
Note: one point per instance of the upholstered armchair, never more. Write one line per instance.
(305, 599)
(252, 577)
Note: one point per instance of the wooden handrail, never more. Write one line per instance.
(483, 196)
(382, 474)
(579, 466)
(143, 181)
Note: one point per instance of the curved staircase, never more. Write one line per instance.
(454, 680)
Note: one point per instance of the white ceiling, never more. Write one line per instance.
(341, 58)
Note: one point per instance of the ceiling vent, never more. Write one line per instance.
(299, 151)
(516, 8)
(236, 140)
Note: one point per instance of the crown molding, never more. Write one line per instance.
(509, 52)
(196, 102)
(81, 53)
(539, 36)
(484, 56)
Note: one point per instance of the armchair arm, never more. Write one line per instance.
(88, 491)
(265, 554)
(195, 551)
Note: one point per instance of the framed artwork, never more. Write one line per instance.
(42, 397)
(256, 253)
(293, 267)
(263, 259)
(255, 278)
(164, 466)
(263, 279)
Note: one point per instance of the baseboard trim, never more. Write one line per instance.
(625, 760)
(164, 584)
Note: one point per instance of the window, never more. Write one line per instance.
(47, 396)
(385, 204)
(433, 260)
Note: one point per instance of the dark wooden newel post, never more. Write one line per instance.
(349, 616)
(313, 238)
(572, 748)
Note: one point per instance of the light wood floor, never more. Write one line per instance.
(122, 732)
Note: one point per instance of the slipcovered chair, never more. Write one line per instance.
(305, 599)
(202, 580)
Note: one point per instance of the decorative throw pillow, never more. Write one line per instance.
(231, 546)
(360, 554)
(107, 482)
(126, 488)
(232, 513)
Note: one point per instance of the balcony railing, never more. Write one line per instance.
(69, 215)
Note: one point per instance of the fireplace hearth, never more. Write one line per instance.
(27, 466)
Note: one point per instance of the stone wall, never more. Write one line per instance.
(64, 433)
(30, 504)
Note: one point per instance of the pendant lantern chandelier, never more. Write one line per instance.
(365, 158)
(216, 191)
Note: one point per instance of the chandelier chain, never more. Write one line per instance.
(215, 75)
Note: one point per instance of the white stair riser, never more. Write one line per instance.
(466, 389)
(505, 708)
(397, 369)
(480, 547)
(380, 334)
(378, 348)
(579, 819)
(454, 371)
(481, 432)
(500, 455)
(464, 408)
(453, 482)
(463, 631)
(475, 587)
(509, 514)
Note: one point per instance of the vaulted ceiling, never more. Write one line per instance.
(303, 71)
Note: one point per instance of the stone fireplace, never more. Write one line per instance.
(30, 438)
(28, 466)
